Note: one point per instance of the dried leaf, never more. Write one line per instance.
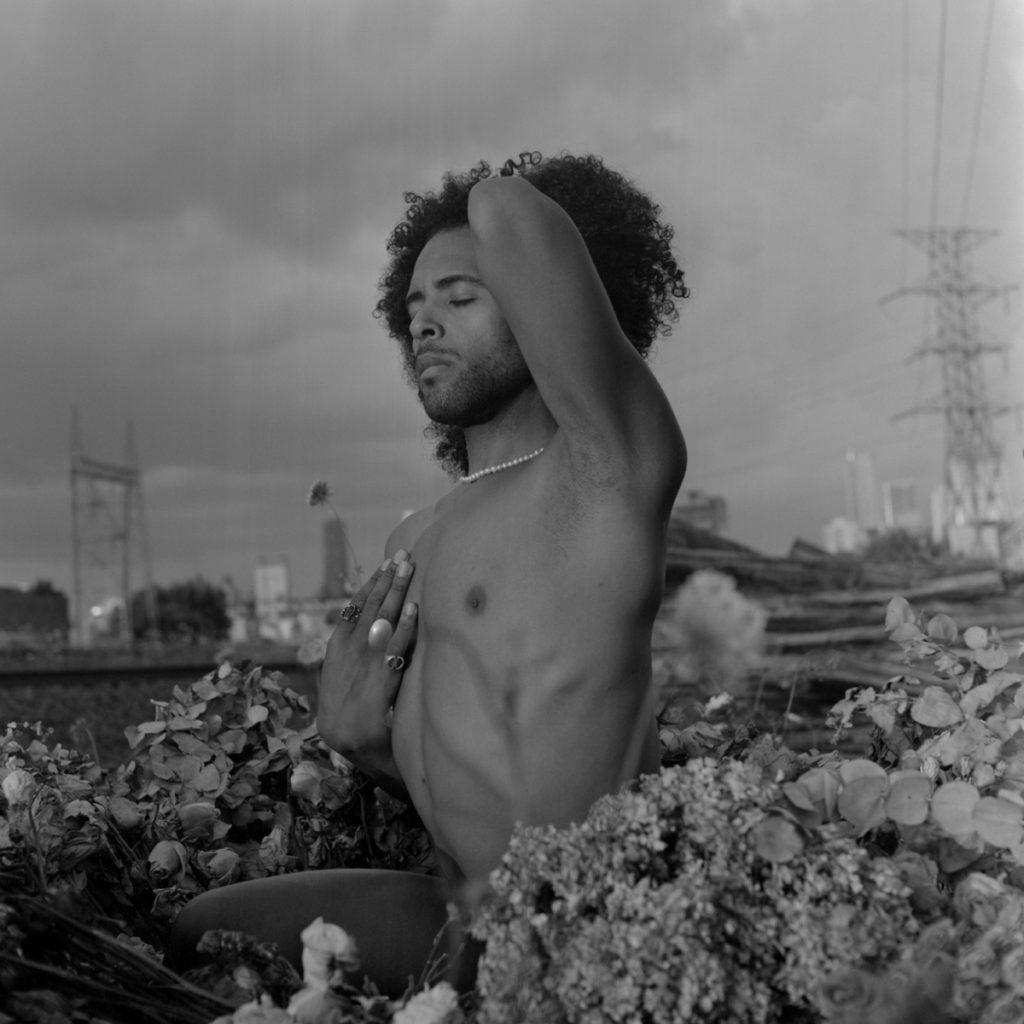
(953, 808)
(256, 714)
(976, 638)
(898, 613)
(943, 628)
(909, 798)
(861, 802)
(861, 768)
(823, 785)
(992, 658)
(999, 822)
(936, 708)
(794, 791)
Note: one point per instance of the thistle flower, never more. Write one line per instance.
(320, 494)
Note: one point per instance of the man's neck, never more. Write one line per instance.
(521, 428)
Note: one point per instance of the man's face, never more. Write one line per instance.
(464, 361)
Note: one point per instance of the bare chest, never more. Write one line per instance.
(484, 561)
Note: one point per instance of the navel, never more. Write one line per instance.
(476, 599)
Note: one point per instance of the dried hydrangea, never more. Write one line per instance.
(659, 907)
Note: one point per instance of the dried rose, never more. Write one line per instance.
(328, 953)
(305, 781)
(18, 787)
(847, 996)
(125, 812)
(197, 819)
(221, 867)
(977, 899)
(167, 861)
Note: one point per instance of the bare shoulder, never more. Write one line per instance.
(406, 533)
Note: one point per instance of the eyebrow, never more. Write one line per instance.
(442, 284)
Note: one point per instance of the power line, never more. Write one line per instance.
(939, 102)
(975, 132)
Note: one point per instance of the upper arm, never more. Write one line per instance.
(595, 384)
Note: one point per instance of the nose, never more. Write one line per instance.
(424, 324)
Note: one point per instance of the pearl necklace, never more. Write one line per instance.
(473, 477)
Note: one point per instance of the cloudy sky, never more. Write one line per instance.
(194, 197)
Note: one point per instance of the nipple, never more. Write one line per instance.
(476, 599)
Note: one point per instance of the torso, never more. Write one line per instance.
(527, 694)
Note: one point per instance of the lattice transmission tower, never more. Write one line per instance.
(975, 506)
(108, 537)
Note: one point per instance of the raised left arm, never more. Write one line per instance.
(613, 414)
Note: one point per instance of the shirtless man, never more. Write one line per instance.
(519, 670)
(497, 667)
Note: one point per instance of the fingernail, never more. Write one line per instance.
(401, 555)
(409, 610)
(385, 565)
(404, 569)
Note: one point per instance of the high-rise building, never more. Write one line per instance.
(899, 498)
(862, 491)
(337, 566)
(270, 590)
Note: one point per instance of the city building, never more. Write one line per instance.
(705, 511)
(337, 565)
(862, 506)
(844, 536)
(900, 507)
(271, 594)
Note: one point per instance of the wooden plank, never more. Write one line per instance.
(987, 583)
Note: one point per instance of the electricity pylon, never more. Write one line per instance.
(975, 505)
(108, 526)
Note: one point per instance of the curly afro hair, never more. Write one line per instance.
(622, 229)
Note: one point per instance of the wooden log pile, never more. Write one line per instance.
(826, 614)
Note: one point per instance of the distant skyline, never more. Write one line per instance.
(194, 200)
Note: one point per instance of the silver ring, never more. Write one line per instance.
(395, 662)
(351, 613)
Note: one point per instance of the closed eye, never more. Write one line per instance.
(460, 302)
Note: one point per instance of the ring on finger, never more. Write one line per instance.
(395, 662)
(380, 633)
(351, 613)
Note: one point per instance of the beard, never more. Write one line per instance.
(475, 394)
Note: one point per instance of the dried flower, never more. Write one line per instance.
(305, 781)
(319, 493)
(328, 954)
(197, 819)
(221, 867)
(719, 632)
(629, 909)
(850, 996)
(18, 786)
(167, 862)
(261, 1011)
(437, 1005)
